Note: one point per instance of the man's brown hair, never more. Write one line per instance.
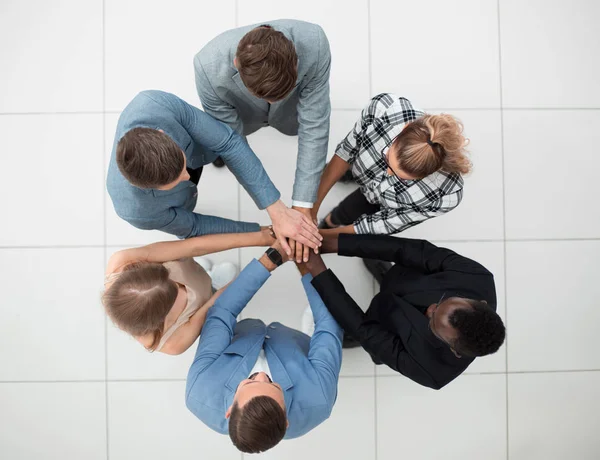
(148, 158)
(267, 63)
(258, 426)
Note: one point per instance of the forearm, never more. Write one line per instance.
(333, 173)
(335, 232)
(202, 245)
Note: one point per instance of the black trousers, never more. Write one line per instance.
(195, 174)
(351, 208)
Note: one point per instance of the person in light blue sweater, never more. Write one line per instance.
(161, 145)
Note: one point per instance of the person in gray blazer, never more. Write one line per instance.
(273, 74)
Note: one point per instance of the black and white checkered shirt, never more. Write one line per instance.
(404, 203)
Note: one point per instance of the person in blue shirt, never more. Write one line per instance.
(262, 383)
(160, 147)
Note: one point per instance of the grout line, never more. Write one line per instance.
(375, 376)
(333, 109)
(433, 240)
(503, 171)
(370, 62)
(106, 414)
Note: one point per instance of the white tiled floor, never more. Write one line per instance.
(522, 76)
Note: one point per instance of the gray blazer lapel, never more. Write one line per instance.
(259, 103)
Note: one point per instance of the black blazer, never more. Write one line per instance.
(395, 330)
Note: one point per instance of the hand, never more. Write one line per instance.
(315, 265)
(267, 235)
(302, 268)
(300, 249)
(289, 223)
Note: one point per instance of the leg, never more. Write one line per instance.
(195, 174)
(351, 208)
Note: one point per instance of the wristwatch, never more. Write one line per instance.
(274, 256)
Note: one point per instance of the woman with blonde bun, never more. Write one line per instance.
(408, 166)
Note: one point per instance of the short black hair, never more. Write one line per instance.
(480, 330)
(258, 426)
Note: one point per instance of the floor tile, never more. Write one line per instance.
(547, 53)
(46, 421)
(553, 416)
(438, 54)
(347, 434)
(348, 40)
(553, 305)
(466, 419)
(479, 216)
(52, 325)
(44, 69)
(58, 200)
(491, 256)
(128, 360)
(159, 55)
(548, 196)
(149, 420)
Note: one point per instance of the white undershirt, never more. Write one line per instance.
(261, 364)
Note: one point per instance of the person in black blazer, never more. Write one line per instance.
(435, 312)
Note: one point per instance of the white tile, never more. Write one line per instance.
(52, 56)
(52, 323)
(553, 295)
(347, 434)
(348, 40)
(54, 173)
(151, 46)
(550, 173)
(554, 416)
(129, 360)
(217, 195)
(479, 215)
(359, 284)
(149, 420)
(278, 154)
(491, 256)
(549, 53)
(46, 421)
(466, 419)
(437, 53)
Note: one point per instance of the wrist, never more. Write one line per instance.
(276, 208)
(266, 262)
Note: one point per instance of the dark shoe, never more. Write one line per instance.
(219, 163)
(377, 268)
(350, 342)
(347, 177)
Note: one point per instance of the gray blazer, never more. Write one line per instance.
(305, 111)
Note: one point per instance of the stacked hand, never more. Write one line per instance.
(297, 225)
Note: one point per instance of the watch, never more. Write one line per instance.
(274, 256)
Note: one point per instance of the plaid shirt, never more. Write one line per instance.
(404, 203)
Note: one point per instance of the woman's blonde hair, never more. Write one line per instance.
(140, 299)
(432, 143)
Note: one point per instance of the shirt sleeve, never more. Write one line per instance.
(314, 109)
(223, 141)
(212, 103)
(351, 145)
(388, 221)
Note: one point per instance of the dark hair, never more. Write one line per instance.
(140, 298)
(267, 63)
(432, 143)
(148, 158)
(260, 425)
(481, 331)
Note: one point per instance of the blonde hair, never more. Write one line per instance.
(140, 299)
(432, 143)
